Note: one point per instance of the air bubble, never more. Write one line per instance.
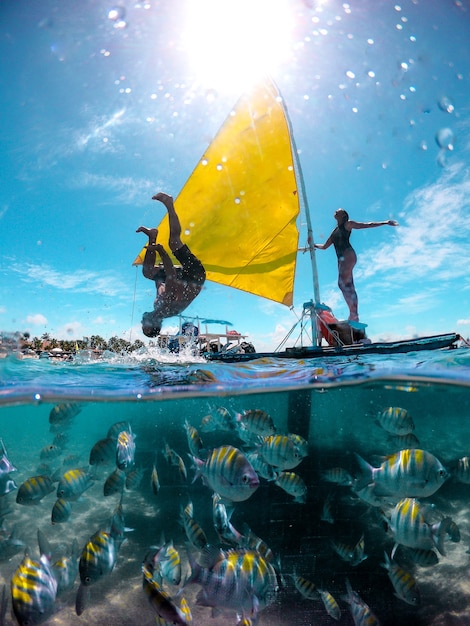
(204, 162)
(219, 167)
(237, 200)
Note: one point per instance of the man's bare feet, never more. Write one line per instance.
(164, 198)
(150, 232)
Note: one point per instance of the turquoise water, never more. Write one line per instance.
(333, 404)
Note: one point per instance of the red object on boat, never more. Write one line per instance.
(324, 320)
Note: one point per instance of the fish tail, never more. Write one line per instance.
(196, 569)
(196, 466)
(366, 473)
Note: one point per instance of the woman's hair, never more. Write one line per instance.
(345, 214)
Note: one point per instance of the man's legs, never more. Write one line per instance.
(174, 241)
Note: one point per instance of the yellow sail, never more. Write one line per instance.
(238, 209)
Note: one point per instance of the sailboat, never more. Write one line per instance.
(247, 191)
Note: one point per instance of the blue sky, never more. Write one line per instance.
(103, 105)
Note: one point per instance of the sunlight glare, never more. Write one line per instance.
(233, 43)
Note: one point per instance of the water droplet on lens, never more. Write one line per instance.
(445, 138)
(446, 105)
(116, 13)
(423, 145)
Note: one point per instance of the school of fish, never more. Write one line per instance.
(238, 573)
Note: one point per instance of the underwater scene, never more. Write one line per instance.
(279, 491)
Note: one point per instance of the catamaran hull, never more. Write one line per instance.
(435, 342)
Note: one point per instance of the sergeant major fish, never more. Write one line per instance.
(125, 449)
(408, 473)
(396, 421)
(410, 528)
(403, 582)
(161, 602)
(292, 484)
(240, 580)
(33, 591)
(280, 451)
(228, 472)
(360, 611)
(73, 483)
(33, 490)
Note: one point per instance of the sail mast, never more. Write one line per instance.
(316, 339)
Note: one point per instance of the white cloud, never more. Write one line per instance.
(432, 239)
(464, 322)
(80, 281)
(36, 320)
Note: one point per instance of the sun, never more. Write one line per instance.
(232, 43)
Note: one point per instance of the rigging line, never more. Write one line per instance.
(133, 306)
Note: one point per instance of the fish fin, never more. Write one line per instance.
(82, 600)
(394, 549)
(210, 555)
(440, 532)
(366, 473)
(45, 547)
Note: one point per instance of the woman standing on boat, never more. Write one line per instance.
(347, 259)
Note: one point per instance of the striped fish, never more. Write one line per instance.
(423, 558)
(462, 470)
(263, 469)
(195, 444)
(61, 415)
(33, 591)
(403, 582)
(167, 562)
(396, 421)
(292, 484)
(228, 472)
(401, 442)
(98, 558)
(300, 443)
(103, 451)
(338, 475)
(360, 611)
(330, 604)
(33, 490)
(236, 579)
(408, 473)
(353, 555)
(73, 483)
(114, 483)
(66, 569)
(226, 532)
(280, 451)
(410, 528)
(161, 602)
(196, 536)
(125, 449)
(61, 511)
(256, 422)
(305, 587)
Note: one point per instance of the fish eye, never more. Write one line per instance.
(245, 479)
(87, 579)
